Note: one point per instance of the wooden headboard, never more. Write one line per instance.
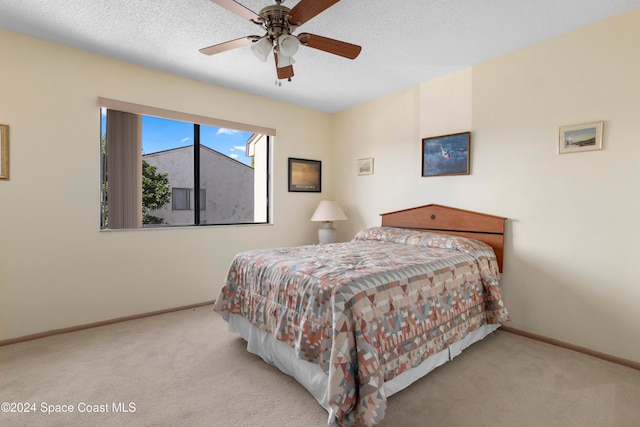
(457, 222)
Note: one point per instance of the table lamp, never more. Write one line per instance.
(327, 212)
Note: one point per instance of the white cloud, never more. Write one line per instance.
(238, 147)
(234, 156)
(223, 131)
(183, 140)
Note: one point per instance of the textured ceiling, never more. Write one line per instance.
(403, 42)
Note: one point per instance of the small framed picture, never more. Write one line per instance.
(365, 166)
(446, 155)
(583, 137)
(4, 152)
(305, 176)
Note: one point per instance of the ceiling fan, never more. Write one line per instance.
(280, 22)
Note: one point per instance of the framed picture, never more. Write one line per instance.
(305, 175)
(583, 137)
(365, 166)
(446, 155)
(4, 152)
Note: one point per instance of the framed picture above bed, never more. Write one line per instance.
(583, 137)
(305, 176)
(446, 154)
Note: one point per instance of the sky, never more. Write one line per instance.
(164, 134)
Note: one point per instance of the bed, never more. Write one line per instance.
(356, 322)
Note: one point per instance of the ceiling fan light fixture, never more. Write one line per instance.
(288, 45)
(279, 22)
(261, 49)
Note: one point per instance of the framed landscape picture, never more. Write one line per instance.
(365, 166)
(583, 137)
(305, 175)
(446, 155)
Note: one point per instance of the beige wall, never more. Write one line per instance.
(573, 232)
(573, 235)
(56, 268)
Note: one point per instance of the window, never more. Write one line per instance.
(151, 164)
(183, 199)
(180, 199)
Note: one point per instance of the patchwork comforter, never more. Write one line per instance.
(367, 310)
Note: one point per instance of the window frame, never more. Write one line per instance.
(196, 120)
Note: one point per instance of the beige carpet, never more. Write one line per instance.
(185, 369)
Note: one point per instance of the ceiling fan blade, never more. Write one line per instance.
(307, 9)
(326, 44)
(237, 8)
(284, 72)
(223, 47)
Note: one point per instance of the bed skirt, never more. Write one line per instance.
(312, 377)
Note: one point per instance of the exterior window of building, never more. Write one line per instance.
(182, 199)
(151, 165)
(203, 200)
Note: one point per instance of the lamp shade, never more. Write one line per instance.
(261, 49)
(288, 45)
(328, 210)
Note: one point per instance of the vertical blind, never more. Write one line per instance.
(124, 169)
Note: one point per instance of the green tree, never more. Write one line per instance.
(155, 192)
